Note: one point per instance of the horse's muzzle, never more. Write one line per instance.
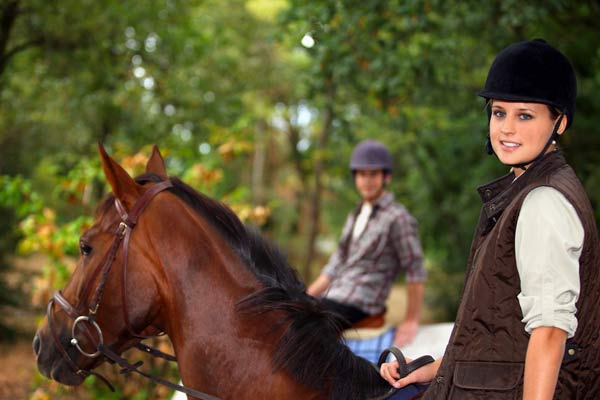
(51, 364)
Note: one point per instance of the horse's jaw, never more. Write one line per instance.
(61, 373)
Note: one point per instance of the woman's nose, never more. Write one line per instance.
(507, 126)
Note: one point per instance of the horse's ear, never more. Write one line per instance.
(156, 163)
(123, 186)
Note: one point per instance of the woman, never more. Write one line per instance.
(528, 323)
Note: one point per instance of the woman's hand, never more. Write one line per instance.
(389, 372)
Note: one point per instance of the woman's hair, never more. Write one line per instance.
(554, 112)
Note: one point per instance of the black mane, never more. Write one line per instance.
(311, 350)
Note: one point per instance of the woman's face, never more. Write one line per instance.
(519, 131)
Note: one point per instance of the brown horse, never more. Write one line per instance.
(239, 319)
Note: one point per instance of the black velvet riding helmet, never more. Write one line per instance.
(533, 71)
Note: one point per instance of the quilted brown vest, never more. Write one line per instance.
(486, 353)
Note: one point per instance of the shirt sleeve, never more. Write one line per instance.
(405, 238)
(548, 243)
(336, 258)
(334, 261)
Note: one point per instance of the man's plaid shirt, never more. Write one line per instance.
(362, 271)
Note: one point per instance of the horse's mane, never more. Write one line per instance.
(311, 349)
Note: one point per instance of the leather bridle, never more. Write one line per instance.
(86, 320)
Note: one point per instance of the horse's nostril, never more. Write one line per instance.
(37, 345)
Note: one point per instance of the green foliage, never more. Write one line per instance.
(17, 194)
(17, 200)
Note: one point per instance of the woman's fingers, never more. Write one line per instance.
(389, 372)
(422, 375)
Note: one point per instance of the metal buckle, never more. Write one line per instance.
(123, 228)
(75, 342)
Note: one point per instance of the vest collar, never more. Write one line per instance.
(498, 194)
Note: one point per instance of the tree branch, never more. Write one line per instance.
(7, 21)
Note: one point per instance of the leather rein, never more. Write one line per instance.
(88, 321)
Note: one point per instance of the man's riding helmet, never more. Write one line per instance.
(372, 155)
(534, 72)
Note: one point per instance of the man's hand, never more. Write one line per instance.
(405, 333)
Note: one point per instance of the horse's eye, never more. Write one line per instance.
(85, 248)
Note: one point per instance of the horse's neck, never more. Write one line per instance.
(218, 350)
(232, 357)
(226, 356)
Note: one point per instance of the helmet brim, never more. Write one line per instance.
(514, 98)
(369, 167)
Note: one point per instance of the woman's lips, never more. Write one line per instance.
(509, 146)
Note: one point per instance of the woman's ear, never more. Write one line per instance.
(563, 125)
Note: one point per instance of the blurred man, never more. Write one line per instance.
(379, 240)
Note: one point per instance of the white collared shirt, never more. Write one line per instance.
(548, 243)
(361, 220)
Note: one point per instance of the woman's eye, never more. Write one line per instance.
(525, 116)
(85, 248)
(499, 114)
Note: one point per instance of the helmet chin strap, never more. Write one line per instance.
(523, 166)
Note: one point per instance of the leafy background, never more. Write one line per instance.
(258, 103)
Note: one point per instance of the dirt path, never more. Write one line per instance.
(17, 365)
(17, 362)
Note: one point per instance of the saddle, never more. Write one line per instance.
(372, 321)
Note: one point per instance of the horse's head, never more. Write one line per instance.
(113, 296)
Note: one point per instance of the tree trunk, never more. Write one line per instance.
(315, 200)
(258, 164)
(293, 135)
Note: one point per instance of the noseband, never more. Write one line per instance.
(78, 313)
